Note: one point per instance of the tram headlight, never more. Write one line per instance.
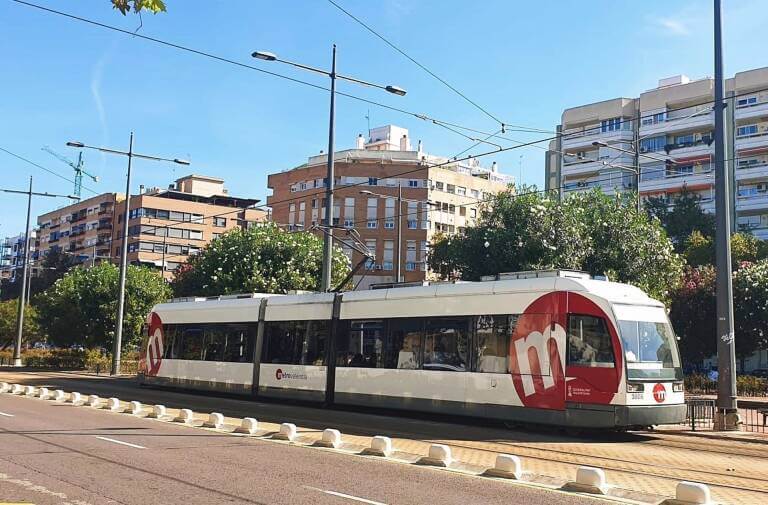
(635, 387)
(677, 387)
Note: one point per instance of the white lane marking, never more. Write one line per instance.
(347, 496)
(6, 415)
(121, 442)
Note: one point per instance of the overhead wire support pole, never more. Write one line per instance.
(727, 415)
(327, 273)
(117, 347)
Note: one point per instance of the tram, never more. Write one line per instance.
(553, 347)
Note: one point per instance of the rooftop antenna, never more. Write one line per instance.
(368, 117)
(520, 163)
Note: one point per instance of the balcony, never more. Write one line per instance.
(659, 180)
(752, 110)
(757, 201)
(584, 137)
(685, 119)
(744, 142)
(697, 149)
(104, 226)
(751, 172)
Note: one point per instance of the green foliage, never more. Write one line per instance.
(685, 217)
(745, 247)
(746, 385)
(8, 317)
(81, 307)
(264, 259)
(589, 231)
(699, 250)
(126, 6)
(750, 307)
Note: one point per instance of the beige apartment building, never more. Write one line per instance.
(439, 197)
(672, 125)
(166, 225)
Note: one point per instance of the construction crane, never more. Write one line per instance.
(79, 170)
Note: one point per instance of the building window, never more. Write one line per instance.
(744, 102)
(612, 125)
(373, 181)
(389, 213)
(439, 186)
(743, 131)
(220, 222)
(460, 190)
(450, 188)
(413, 184)
(372, 211)
(389, 248)
(653, 144)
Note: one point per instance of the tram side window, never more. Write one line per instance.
(191, 343)
(238, 346)
(214, 339)
(295, 342)
(171, 342)
(363, 344)
(492, 342)
(446, 344)
(406, 341)
(589, 343)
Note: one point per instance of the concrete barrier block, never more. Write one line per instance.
(17, 389)
(248, 426)
(94, 401)
(588, 480)
(158, 412)
(4, 387)
(438, 455)
(287, 432)
(135, 408)
(113, 404)
(185, 416)
(30, 390)
(75, 398)
(331, 438)
(215, 420)
(59, 395)
(43, 393)
(380, 446)
(507, 466)
(693, 493)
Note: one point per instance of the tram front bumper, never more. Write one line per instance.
(647, 415)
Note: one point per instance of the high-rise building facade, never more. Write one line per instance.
(439, 197)
(166, 225)
(12, 256)
(667, 132)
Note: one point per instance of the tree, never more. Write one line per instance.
(264, 259)
(700, 250)
(81, 307)
(54, 265)
(8, 318)
(685, 217)
(137, 6)
(593, 232)
(750, 286)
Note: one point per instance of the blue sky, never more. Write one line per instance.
(523, 61)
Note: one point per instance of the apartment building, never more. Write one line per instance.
(165, 226)
(82, 229)
(439, 197)
(672, 126)
(12, 256)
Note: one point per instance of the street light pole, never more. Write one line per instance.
(116, 349)
(22, 296)
(399, 265)
(727, 415)
(325, 284)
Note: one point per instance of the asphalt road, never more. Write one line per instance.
(57, 453)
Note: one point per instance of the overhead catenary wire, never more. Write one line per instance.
(41, 167)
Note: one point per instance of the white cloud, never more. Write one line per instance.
(96, 76)
(673, 26)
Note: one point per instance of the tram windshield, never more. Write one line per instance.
(649, 344)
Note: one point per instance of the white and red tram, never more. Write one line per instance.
(543, 347)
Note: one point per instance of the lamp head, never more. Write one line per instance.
(264, 55)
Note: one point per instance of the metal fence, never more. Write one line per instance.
(700, 415)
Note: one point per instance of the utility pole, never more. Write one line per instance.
(25, 268)
(325, 284)
(636, 157)
(117, 347)
(399, 264)
(727, 413)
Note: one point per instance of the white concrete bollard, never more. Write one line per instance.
(331, 438)
(693, 493)
(158, 411)
(44, 393)
(287, 432)
(94, 401)
(29, 390)
(186, 416)
(59, 395)
(75, 398)
(113, 404)
(589, 480)
(4, 387)
(248, 425)
(508, 465)
(439, 454)
(135, 408)
(17, 389)
(381, 446)
(215, 420)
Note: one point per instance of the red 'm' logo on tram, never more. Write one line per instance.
(154, 353)
(659, 393)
